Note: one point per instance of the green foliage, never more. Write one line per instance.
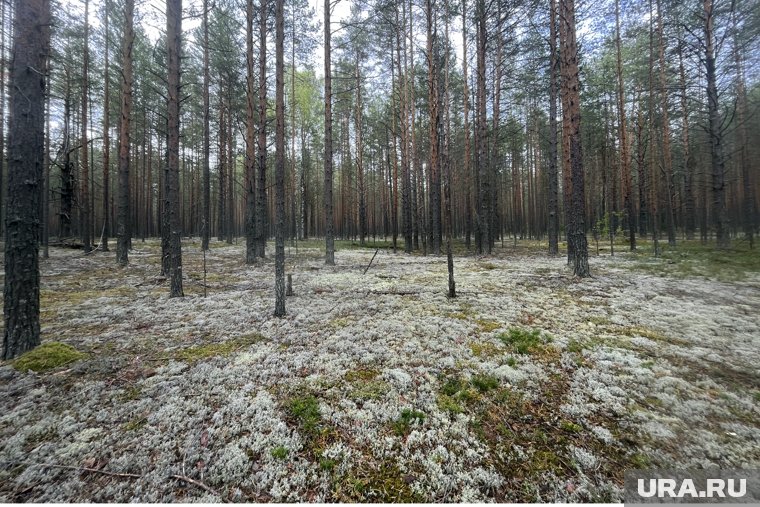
(327, 464)
(48, 356)
(375, 482)
(484, 383)
(280, 452)
(223, 349)
(135, 424)
(402, 425)
(523, 341)
(305, 411)
(570, 426)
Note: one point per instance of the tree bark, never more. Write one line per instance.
(106, 132)
(571, 101)
(553, 190)
(26, 145)
(85, 204)
(206, 222)
(279, 254)
(261, 190)
(122, 220)
(173, 43)
(328, 190)
(625, 162)
(720, 213)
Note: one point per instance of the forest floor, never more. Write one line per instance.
(531, 385)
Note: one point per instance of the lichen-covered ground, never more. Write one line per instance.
(529, 386)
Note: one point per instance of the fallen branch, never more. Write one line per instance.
(370, 262)
(208, 489)
(68, 467)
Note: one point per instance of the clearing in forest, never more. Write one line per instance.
(529, 386)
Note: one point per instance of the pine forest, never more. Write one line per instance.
(380, 251)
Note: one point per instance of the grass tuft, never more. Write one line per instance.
(524, 341)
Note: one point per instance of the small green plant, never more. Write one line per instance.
(207, 351)
(448, 404)
(571, 427)
(135, 424)
(452, 386)
(327, 464)
(305, 410)
(524, 341)
(402, 425)
(484, 383)
(48, 356)
(511, 361)
(280, 452)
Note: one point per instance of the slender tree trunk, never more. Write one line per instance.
(85, 204)
(360, 158)
(720, 213)
(467, 166)
(625, 161)
(106, 132)
(435, 121)
(688, 156)
(481, 162)
(261, 189)
(206, 223)
(743, 114)
(329, 235)
(553, 225)
(26, 145)
(571, 101)
(666, 155)
(279, 255)
(447, 169)
(122, 220)
(250, 139)
(173, 43)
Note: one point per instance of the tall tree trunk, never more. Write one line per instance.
(625, 162)
(743, 114)
(447, 168)
(435, 121)
(467, 166)
(720, 213)
(553, 225)
(688, 156)
(360, 158)
(261, 190)
(26, 146)
(122, 220)
(230, 210)
(173, 44)
(481, 161)
(666, 155)
(106, 132)
(250, 136)
(279, 177)
(84, 157)
(571, 101)
(329, 235)
(206, 222)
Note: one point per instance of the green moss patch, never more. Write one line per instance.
(48, 356)
(403, 425)
(223, 349)
(525, 341)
